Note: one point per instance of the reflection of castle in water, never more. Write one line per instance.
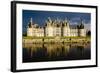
(54, 50)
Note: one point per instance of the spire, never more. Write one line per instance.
(81, 25)
(81, 21)
(58, 20)
(49, 19)
(66, 20)
(31, 21)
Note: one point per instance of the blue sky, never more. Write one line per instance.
(39, 17)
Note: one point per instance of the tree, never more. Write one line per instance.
(24, 34)
(89, 33)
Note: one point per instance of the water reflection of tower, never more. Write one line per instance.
(66, 47)
(57, 49)
(32, 48)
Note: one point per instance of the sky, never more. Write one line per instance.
(39, 17)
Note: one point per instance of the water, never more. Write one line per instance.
(56, 52)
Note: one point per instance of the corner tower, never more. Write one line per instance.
(29, 28)
(81, 30)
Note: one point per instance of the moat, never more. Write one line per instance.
(40, 52)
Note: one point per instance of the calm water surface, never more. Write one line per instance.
(56, 52)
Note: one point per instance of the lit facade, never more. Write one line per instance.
(55, 28)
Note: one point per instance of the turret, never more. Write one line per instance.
(49, 28)
(29, 28)
(66, 29)
(30, 23)
(48, 22)
(81, 30)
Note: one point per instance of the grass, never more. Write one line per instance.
(29, 37)
(53, 39)
(75, 37)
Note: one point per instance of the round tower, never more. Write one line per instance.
(66, 29)
(49, 28)
(81, 30)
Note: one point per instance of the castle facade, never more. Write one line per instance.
(53, 28)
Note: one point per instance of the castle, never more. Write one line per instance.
(53, 28)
